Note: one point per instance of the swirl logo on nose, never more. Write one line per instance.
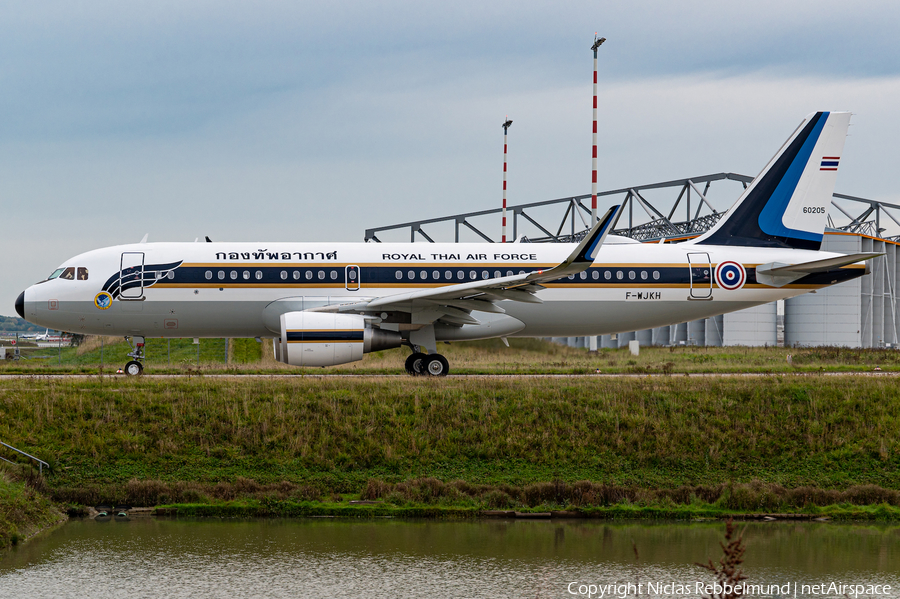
(103, 300)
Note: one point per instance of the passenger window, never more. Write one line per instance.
(398, 275)
(333, 275)
(208, 275)
(68, 273)
(283, 275)
(595, 275)
(460, 274)
(424, 275)
(321, 275)
(583, 275)
(82, 273)
(259, 275)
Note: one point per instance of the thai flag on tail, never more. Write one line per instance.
(829, 163)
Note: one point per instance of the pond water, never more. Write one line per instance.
(390, 558)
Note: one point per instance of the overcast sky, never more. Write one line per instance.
(302, 121)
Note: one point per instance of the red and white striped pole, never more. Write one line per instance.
(597, 43)
(506, 126)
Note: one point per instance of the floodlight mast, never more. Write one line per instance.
(506, 125)
(597, 43)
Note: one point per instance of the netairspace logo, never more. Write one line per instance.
(669, 588)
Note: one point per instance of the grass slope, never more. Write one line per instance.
(336, 435)
(23, 512)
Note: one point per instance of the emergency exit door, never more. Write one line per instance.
(701, 276)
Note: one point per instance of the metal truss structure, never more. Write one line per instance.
(645, 220)
(869, 221)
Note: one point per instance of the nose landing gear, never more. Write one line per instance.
(134, 367)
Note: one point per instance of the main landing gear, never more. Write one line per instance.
(420, 364)
(134, 367)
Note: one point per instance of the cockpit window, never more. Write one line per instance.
(55, 274)
(82, 273)
(68, 273)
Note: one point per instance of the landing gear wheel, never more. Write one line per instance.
(415, 364)
(437, 365)
(134, 368)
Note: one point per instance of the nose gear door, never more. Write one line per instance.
(701, 276)
(131, 276)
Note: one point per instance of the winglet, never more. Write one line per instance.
(586, 252)
(587, 249)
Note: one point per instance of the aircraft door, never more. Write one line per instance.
(701, 276)
(351, 278)
(131, 276)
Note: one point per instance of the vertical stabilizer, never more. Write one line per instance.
(786, 205)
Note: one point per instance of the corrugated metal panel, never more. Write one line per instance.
(754, 326)
(832, 316)
(714, 331)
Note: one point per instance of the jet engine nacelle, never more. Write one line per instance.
(326, 339)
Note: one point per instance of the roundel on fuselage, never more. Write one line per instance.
(730, 275)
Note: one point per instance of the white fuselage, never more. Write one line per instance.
(223, 289)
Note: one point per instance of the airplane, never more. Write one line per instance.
(45, 336)
(35, 336)
(325, 304)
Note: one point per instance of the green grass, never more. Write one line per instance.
(23, 512)
(162, 355)
(246, 351)
(524, 356)
(769, 442)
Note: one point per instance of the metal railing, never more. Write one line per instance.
(41, 463)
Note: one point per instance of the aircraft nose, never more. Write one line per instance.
(20, 304)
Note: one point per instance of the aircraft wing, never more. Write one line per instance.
(452, 303)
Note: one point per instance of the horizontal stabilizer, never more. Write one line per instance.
(778, 274)
(825, 265)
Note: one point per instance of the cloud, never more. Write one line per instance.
(313, 121)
